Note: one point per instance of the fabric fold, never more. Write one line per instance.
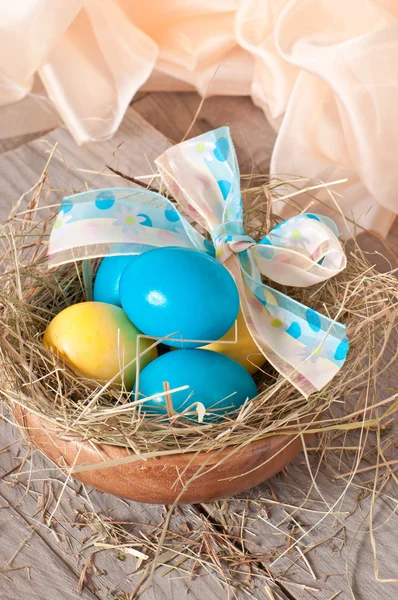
(324, 73)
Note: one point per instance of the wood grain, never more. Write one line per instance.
(54, 554)
(37, 571)
(172, 114)
(188, 478)
(73, 168)
(8, 144)
(132, 150)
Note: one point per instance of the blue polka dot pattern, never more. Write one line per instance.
(294, 330)
(172, 216)
(225, 187)
(313, 319)
(209, 246)
(67, 205)
(147, 222)
(105, 200)
(221, 150)
(341, 350)
(207, 176)
(260, 295)
(267, 252)
(265, 241)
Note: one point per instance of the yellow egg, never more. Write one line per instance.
(97, 340)
(244, 351)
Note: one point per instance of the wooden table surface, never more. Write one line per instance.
(42, 553)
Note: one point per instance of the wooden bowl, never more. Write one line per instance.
(160, 480)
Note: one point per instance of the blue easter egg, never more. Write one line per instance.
(107, 280)
(181, 293)
(220, 383)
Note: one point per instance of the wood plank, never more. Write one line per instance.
(173, 113)
(27, 492)
(19, 170)
(337, 547)
(29, 566)
(132, 150)
(341, 555)
(19, 140)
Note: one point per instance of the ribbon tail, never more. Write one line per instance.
(118, 221)
(307, 358)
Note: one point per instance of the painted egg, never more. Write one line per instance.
(217, 381)
(107, 280)
(97, 339)
(244, 350)
(181, 293)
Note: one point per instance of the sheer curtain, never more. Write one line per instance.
(325, 72)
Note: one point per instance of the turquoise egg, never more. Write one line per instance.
(220, 383)
(181, 293)
(107, 280)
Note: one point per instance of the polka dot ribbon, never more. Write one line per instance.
(305, 347)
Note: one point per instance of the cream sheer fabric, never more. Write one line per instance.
(325, 72)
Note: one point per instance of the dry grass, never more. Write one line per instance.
(355, 443)
(30, 297)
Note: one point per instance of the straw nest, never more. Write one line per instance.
(30, 296)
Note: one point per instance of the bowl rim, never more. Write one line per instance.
(226, 471)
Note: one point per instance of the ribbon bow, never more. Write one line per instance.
(304, 346)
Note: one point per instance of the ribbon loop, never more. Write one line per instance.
(307, 348)
(307, 249)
